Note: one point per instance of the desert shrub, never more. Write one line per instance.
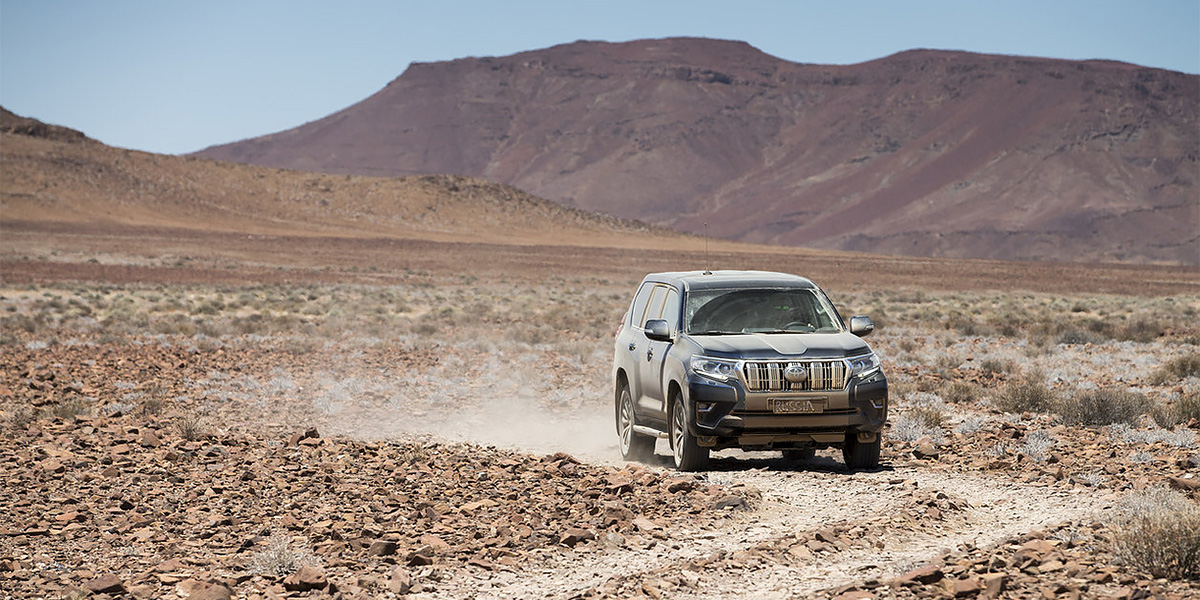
(21, 418)
(1101, 407)
(190, 426)
(1182, 410)
(1074, 336)
(1140, 330)
(280, 558)
(960, 392)
(1187, 407)
(995, 366)
(947, 365)
(1181, 437)
(69, 409)
(1156, 529)
(912, 425)
(1037, 445)
(153, 405)
(1180, 367)
(971, 424)
(1031, 394)
(929, 416)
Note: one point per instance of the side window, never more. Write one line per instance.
(639, 305)
(671, 309)
(654, 306)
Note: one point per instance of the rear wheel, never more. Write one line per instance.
(634, 446)
(861, 455)
(689, 456)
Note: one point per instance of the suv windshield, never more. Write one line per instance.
(712, 312)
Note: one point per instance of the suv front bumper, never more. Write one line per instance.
(727, 415)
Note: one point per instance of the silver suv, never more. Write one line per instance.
(745, 359)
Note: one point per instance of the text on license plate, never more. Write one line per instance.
(797, 405)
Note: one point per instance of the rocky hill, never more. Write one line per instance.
(924, 152)
(57, 177)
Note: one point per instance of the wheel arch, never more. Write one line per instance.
(674, 390)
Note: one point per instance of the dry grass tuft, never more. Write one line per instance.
(69, 409)
(1180, 367)
(190, 427)
(1158, 530)
(960, 392)
(1031, 394)
(1102, 407)
(280, 558)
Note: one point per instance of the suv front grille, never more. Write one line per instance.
(768, 376)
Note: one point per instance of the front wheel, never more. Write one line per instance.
(689, 456)
(861, 455)
(634, 446)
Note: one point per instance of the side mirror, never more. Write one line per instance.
(861, 326)
(658, 330)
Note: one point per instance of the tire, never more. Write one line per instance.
(634, 446)
(859, 455)
(689, 456)
(799, 454)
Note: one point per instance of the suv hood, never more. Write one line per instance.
(782, 345)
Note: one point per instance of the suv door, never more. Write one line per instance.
(651, 357)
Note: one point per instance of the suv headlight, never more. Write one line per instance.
(864, 366)
(714, 368)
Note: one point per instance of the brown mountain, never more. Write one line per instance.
(924, 152)
(56, 179)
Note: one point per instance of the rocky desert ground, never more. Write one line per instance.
(228, 422)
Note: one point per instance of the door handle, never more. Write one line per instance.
(632, 346)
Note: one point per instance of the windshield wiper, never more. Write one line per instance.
(773, 331)
(714, 332)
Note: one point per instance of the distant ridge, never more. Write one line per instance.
(925, 152)
(54, 178)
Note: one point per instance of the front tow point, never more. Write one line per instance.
(866, 437)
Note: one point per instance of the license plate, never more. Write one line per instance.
(797, 405)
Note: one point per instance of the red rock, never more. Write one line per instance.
(1185, 484)
(993, 584)
(400, 581)
(438, 544)
(644, 524)
(729, 501)
(306, 579)
(574, 535)
(150, 439)
(962, 588)
(679, 484)
(382, 548)
(205, 590)
(105, 584)
(926, 574)
(855, 595)
(482, 563)
(169, 565)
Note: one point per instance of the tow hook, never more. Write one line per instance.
(866, 437)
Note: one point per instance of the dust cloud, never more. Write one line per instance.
(530, 401)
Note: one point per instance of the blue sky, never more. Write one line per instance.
(175, 77)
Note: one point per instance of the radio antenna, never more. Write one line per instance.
(707, 270)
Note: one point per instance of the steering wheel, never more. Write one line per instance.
(801, 325)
